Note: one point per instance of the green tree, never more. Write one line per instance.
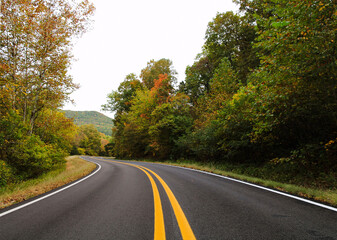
(207, 138)
(222, 37)
(228, 36)
(223, 85)
(169, 121)
(88, 138)
(154, 69)
(120, 101)
(300, 68)
(54, 128)
(197, 78)
(288, 108)
(26, 155)
(157, 117)
(35, 53)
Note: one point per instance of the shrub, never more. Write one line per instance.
(6, 174)
(32, 157)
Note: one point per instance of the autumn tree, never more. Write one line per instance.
(149, 115)
(120, 101)
(35, 55)
(169, 122)
(287, 108)
(154, 69)
(228, 36)
(53, 127)
(299, 73)
(197, 79)
(157, 118)
(88, 140)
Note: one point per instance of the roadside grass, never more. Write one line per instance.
(322, 195)
(327, 196)
(75, 168)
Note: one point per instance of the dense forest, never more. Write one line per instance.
(35, 55)
(99, 120)
(262, 92)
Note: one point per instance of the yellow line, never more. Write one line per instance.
(159, 226)
(185, 228)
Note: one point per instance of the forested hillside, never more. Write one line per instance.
(263, 92)
(100, 121)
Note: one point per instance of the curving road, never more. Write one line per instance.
(136, 200)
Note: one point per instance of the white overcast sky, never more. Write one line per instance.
(126, 34)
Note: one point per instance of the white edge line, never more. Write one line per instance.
(51, 194)
(260, 187)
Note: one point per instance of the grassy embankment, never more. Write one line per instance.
(296, 184)
(75, 169)
(320, 194)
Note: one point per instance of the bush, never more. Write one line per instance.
(32, 157)
(81, 151)
(6, 174)
(22, 155)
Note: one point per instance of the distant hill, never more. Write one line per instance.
(101, 122)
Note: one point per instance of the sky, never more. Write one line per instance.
(126, 34)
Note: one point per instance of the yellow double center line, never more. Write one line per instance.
(159, 226)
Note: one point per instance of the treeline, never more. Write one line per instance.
(262, 91)
(89, 141)
(35, 55)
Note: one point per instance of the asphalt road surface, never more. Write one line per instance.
(135, 200)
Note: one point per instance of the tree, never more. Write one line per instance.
(88, 139)
(27, 155)
(204, 140)
(35, 53)
(154, 69)
(288, 107)
(54, 128)
(299, 66)
(197, 78)
(222, 37)
(228, 36)
(120, 101)
(223, 85)
(133, 104)
(153, 119)
(169, 121)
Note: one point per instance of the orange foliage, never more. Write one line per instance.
(143, 115)
(161, 82)
(161, 89)
(104, 142)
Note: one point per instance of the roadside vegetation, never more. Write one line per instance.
(74, 169)
(88, 141)
(265, 177)
(260, 99)
(35, 56)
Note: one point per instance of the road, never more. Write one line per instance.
(138, 200)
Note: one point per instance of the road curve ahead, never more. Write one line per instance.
(137, 200)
